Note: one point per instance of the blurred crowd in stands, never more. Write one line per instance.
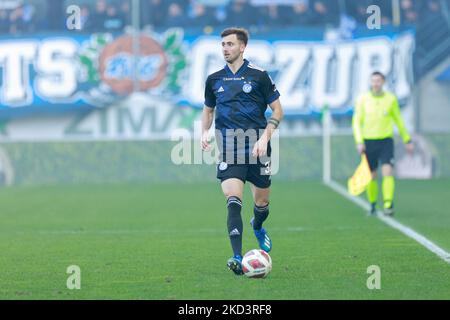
(22, 16)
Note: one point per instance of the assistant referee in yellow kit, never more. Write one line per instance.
(373, 127)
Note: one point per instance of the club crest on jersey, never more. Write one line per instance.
(247, 88)
(223, 166)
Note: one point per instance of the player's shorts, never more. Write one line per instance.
(258, 173)
(379, 151)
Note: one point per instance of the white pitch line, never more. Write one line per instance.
(441, 253)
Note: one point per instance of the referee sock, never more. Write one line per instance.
(372, 191)
(261, 214)
(234, 223)
(388, 190)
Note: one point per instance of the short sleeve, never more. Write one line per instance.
(269, 89)
(210, 98)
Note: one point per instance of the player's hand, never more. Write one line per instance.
(361, 148)
(260, 148)
(410, 148)
(205, 141)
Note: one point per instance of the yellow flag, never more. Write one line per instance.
(361, 178)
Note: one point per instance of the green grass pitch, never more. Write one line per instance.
(170, 242)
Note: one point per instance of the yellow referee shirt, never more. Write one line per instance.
(375, 115)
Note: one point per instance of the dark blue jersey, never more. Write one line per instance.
(240, 101)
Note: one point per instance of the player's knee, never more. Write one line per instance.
(232, 194)
(387, 170)
(261, 197)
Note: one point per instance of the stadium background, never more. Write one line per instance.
(148, 116)
(100, 105)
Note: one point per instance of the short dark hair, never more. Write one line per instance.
(241, 34)
(378, 73)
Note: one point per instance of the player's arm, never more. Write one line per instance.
(207, 114)
(275, 119)
(357, 122)
(397, 117)
(260, 148)
(207, 119)
(271, 96)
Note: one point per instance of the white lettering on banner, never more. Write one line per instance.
(293, 59)
(260, 53)
(53, 61)
(373, 55)
(343, 79)
(56, 69)
(15, 58)
(334, 74)
(203, 50)
(322, 54)
(403, 50)
(308, 75)
(331, 79)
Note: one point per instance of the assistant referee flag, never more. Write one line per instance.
(358, 182)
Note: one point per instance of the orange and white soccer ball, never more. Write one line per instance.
(256, 264)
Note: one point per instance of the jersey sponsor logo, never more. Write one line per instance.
(233, 79)
(221, 89)
(247, 88)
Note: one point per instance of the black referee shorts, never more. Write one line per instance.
(379, 151)
(258, 173)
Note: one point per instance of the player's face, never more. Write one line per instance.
(232, 48)
(376, 83)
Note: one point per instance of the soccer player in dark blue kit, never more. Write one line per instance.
(239, 95)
